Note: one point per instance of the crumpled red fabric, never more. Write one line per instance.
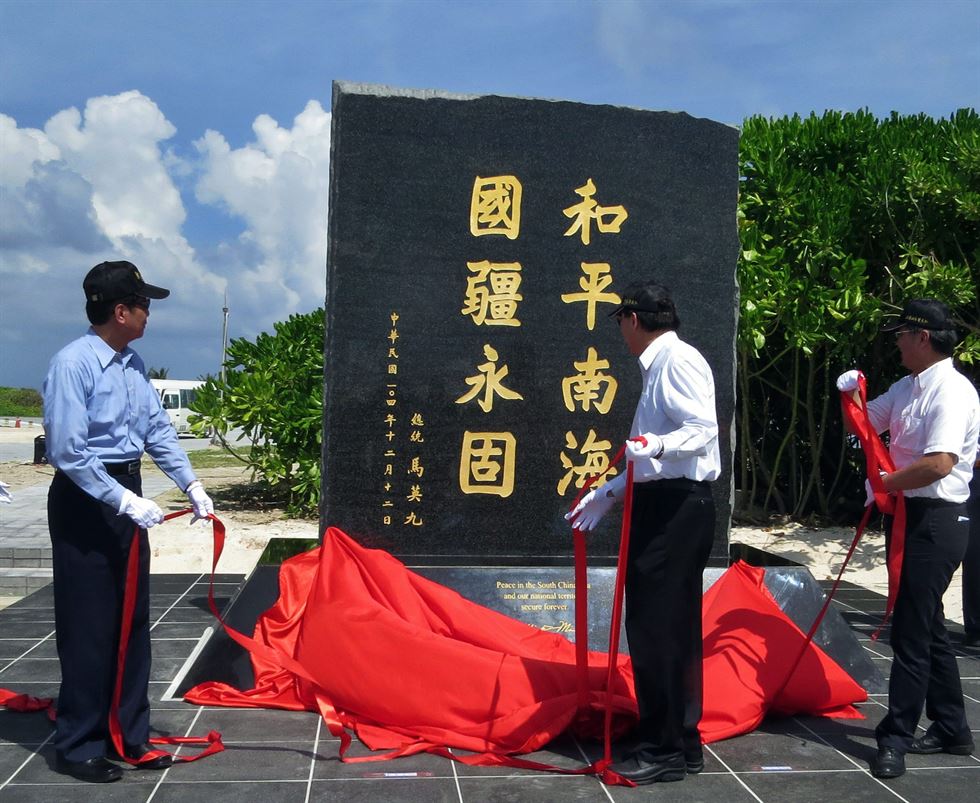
(750, 648)
(411, 665)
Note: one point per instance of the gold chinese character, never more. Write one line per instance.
(388, 469)
(392, 368)
(495, 206)
(416, 468)
(596, 461)
(597, 278)
(588, 210)
(415, 495)
(414, 520)
(489, 380)
(390, 420)
(386, 520)
(394, 318)
(387, 503)
(390, 436)
(416, 437)
(486, 463)
(491, 293)
(416, 420)
(392, 354)
(393, 335)
(584, 387)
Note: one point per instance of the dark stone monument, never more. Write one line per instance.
(476, 244)
(472, 377)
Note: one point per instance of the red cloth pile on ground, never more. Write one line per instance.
(410, 665)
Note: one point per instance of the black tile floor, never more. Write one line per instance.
(286, 756)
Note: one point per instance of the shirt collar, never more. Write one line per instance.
(104, 353)
(656, 347)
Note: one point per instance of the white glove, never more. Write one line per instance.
(653, 448)
(869, 494)
(200, 501)
(589, 511)
(848, 381)
(145, 512)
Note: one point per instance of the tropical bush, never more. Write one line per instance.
(22, 402)
(841, 218)
(272, 391)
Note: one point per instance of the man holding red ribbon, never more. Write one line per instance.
(100, 414)
(674, 448)
(932, 416)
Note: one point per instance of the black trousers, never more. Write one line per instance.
(924, 671)
(90, 547)
(671, 533)
(971, 563)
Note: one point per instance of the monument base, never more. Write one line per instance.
(540, 596)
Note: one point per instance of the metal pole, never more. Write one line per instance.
(224, 336)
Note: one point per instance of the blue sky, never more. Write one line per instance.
(193, 137)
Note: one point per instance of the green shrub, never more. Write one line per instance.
(20, 402)
(273, 392)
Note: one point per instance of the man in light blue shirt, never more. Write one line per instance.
(100, 414)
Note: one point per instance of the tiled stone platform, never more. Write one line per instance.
(285, 756)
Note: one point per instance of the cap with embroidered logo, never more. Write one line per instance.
(111, 281)
(921, 313)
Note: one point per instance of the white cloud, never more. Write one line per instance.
(93, 185)
(278, 185)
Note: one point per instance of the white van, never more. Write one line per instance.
(177, 395)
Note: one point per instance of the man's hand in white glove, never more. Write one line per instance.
(869, 498)
(200, 501)
(848, 381)
(145, 512)
(646, 446)
(589, 512)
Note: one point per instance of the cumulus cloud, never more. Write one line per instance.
(277, 184)
(92, 185)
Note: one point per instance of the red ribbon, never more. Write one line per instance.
(212, 742)
(601, 767)
(877, 460)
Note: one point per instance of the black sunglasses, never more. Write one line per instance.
(137, 301)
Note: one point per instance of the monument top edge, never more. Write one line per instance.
(385, 90)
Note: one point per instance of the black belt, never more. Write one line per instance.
(929, 501)
(122, 469)
(673, 484)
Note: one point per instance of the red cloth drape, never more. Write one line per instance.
(411, 665)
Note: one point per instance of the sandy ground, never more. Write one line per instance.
(179, 548)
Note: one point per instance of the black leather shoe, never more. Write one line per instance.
(641, 771)
(694, 759)
(889, 763)
(136, 753)
(93, 770)
(931, 743)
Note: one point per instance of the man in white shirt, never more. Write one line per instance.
(932, 416)
(671, 533)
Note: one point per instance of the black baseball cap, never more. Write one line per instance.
(111, 281)
(649, 297)
(921, 313)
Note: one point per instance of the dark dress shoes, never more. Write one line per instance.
(138, 751)
(889, 763)
(93, 770)
(932, 743)
(642, 771)
(694, 760)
